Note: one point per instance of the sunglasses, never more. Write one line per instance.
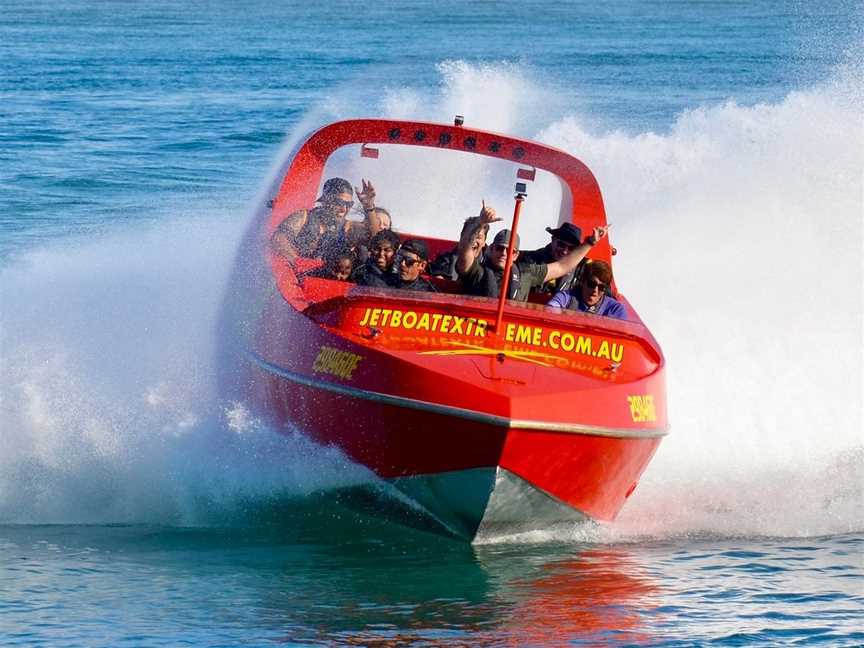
(593, 283)
(501, 249)
(347, 204)
(566, 246)
(410, 263)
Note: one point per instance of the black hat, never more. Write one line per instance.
(417, 247)
(567, 232)
(503, 238)
(336, 186)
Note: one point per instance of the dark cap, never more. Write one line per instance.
(336, 186)
(503, 238)
(417, 247)
(568, 233)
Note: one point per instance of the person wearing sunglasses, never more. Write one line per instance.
(411, 261)
(481, 273)
(379, 271)
(565, 239)
(320, 231)
(593, 294)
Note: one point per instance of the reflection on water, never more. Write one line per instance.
(323, 577)
(311, 573)
(593, 595)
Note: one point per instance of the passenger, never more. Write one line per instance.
(375, 219)
(319, 231)
(481, 274)
(337, 266)
(593, 294)
(411, 261)
(565, 239)
(444, 264)
(378, 269)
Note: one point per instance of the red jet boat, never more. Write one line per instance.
(482, 413)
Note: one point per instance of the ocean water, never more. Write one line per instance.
(138, 507)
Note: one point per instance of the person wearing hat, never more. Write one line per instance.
(316, 232)
(411, 261)
(481, 274)
(565, 239)
(593, 294)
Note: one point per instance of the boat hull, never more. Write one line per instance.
(463, 468)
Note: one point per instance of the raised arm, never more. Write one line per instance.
(568, 263)
(474, 238)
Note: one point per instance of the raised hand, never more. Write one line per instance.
(366, 194)
(600, 232)
(487, 215)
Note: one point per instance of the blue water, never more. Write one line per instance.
(139, 508)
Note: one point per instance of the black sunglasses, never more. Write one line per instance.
(409, 262)
(599, 285)
(347, 204)
(501, 249)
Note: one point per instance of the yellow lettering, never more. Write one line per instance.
(386, 315)
(480, 330)
(603, 351)
(642, 408)
(511, 332)
(409, 320)
(375, 315)
(536, 340)
(555, 340)
(396, 319)
(457, 324)
(523, 334)
(365, 317)
(584, 345)
(335, 362)
(617, 352)
(424, 322)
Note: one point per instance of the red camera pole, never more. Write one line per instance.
(508, 264)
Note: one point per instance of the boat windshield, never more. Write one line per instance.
(430, 192)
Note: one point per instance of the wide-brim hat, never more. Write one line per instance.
(567, 232)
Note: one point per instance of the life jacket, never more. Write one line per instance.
(491, 285)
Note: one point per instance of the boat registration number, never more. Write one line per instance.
(642, 408)
(336, 362)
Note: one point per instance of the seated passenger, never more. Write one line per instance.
(411, 261)
(564, 239)
(444, 264)
(378, 269)
(593, 294)
(337, 266)
(481, 274)
(319, 231)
